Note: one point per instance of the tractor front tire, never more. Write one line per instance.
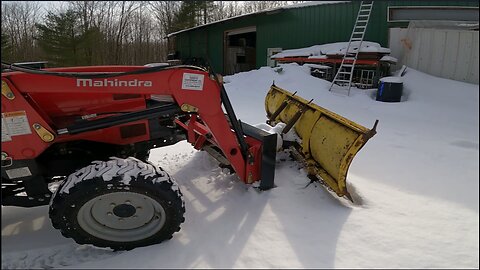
(120, 203)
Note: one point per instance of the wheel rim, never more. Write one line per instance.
(121, 216)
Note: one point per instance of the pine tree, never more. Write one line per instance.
(61, 39)
(6, 48)
(205, 10)
(185, 18)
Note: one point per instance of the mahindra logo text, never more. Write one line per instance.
(112, 83)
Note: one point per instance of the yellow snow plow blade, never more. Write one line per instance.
(328, 141)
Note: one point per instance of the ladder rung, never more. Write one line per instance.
(347, 65)
(338, 80)
(349, 58)
(355, 33)
(362, 26)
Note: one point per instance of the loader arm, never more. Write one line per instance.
(188, 91)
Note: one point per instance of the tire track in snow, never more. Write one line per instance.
(55, 257)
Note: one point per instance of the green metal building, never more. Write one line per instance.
(248, 40)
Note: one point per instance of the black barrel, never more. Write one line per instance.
(390, 89)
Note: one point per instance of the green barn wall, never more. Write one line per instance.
(296, 28)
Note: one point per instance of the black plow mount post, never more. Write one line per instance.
(269, 154)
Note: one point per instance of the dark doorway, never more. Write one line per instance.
(240, 50)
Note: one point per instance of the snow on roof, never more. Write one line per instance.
(392, 79)
(388, 58)
(309, 3)
(306, 4)
(337, 48)
(317, 66)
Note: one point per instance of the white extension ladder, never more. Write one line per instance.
(344, 75)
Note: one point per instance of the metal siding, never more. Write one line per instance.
(463, 55)
(327, 22)
(322, 27)
(446, 53)
(291, 31)
(440, 39)
(472, 75)
(450, 54)
(316, 22)
(215, 43)
(425, 49)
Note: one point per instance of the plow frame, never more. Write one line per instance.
(329, 141)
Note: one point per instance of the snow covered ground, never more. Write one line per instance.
(418, 178)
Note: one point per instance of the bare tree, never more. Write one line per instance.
(18, 24)
(164, 12)
(233, 9)
(255, 6)
(127, 8)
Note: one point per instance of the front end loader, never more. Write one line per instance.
(90, 130)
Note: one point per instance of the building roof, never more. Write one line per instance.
(300, 5)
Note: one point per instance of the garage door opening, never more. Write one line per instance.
(240, 50)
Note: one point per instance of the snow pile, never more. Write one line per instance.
(388, 58)
(338, 48)
(418, 179)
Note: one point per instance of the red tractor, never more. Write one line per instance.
(91, 128)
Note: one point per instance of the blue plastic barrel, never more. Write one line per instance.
(390, 89)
